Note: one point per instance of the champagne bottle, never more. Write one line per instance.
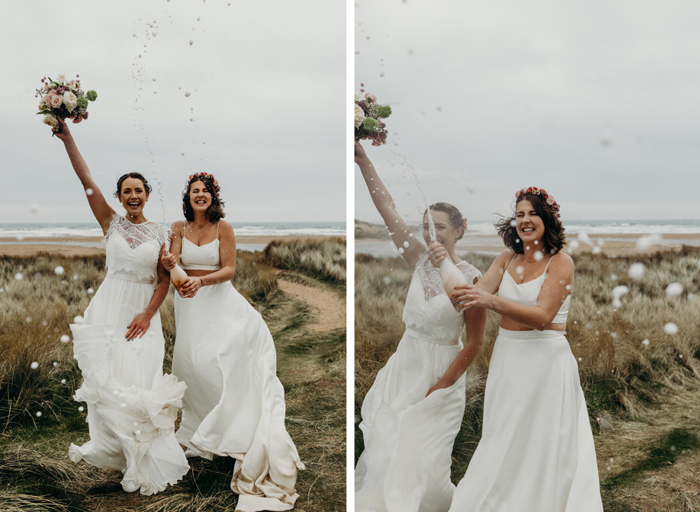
(177, 275)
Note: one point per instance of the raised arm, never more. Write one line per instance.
(100, 209)
(401, 234)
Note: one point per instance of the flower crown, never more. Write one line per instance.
(548, 199)
(204, 175)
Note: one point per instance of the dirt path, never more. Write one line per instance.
(329, 307)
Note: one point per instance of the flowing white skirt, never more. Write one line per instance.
(234, 403)
(132, 406)
(408, 438)
(536, 451)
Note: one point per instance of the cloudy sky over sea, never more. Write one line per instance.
(598, 102)
(266, 110)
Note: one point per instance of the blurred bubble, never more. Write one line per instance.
(513, 223)
(674, 289)
(63, 381)
(55, 363)
(645, 343)
(637, 270)
(671, 328)
(81, 408)
(19, 276)
(574, 244)
(519, 270)
(38, 414)
(89, 191)
(618, 292)
(59, 270)
(28, 319)
(90, 291)
(75, 277)
(78, 320)
(187, 94)
(33, 208)
(583, 237)
(613, 277)
(34, 365)
(596, 250)
(65, 338)
(381, 75)
(191, 42)
(538, 255)
(644, 242)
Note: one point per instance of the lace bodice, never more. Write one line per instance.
(428, 309)
(133, 249)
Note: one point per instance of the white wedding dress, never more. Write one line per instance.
(536, 451)
(234, 403)
(131, 405)
(408, 438)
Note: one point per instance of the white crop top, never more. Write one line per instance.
(200, 257)
(527, 293)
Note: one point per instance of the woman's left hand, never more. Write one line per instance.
(138, 326)
(190, 288)
(469, 296)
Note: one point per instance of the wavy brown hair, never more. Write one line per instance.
(453, 214)
(215, 211)
(136, 175)
(554, 237)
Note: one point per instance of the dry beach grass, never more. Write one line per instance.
(35, 472)
(642, 397)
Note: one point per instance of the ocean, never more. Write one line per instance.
(19, 232)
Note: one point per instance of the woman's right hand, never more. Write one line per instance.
(168, 261)
(437, 253)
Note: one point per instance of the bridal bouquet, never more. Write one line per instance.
(60, 98)
(368, 118)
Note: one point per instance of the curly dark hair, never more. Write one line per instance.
(453, 214)
(215, 211)
(554, 237)
(136, 175)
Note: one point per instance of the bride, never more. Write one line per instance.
(536, 451)
(234, 403)
(413, 411)
(119, 344)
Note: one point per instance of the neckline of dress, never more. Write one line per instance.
(209, 243)
(133, 223)
(527, 282)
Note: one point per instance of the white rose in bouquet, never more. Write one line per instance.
(51, 121)
(55, 100)
(359, 115)
(70, 100)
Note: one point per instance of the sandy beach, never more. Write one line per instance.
(93, 245)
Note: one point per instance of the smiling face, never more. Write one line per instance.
(528, 224)
(133, 196)
(445, 232)
(200, 197)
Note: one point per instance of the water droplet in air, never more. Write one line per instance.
(63, 381)
(89, 191)
(55, 363)
(28, 319)
(191, 42)
(33, 208)
(596, 250)
(613, 277)
(381, 75)
(34, 365)
(367, 37)
(187, 94)
(81, 408)
(645, 343)
(674, 289)
(405, 244)
(59, 270)
(538, 256)
(19, 276)
(618, 292)
(519, 270)
(574, 244)
(90, 291)
(38, 414)
(78, 320)
(644, 242)
(637, 270)
(671, 328)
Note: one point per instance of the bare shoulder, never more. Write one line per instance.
(225, 228)
(505, 257)
(178, 227)
(563, 263)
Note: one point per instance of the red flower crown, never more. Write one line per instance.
(548, 199)
(204, 175)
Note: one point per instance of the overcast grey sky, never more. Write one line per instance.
(267, 103)
(597, 101)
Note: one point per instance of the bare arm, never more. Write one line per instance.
(172, 258)
(399, 230)
(100, 209)
(140, 324)
(475, 324)
(556, 287)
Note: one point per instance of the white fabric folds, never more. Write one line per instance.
(536, 451)
(234, 403)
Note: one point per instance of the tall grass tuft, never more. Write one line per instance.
(320, 258)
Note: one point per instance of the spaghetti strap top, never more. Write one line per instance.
(528, 293)
(200, 257)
